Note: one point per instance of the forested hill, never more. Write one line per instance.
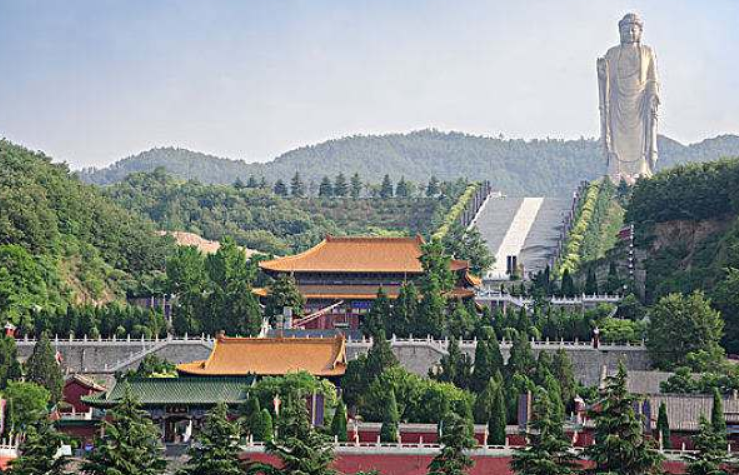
(518, 167)
(63, 241)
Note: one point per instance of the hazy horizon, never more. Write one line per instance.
(92, 82)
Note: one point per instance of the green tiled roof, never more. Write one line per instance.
(194, 391)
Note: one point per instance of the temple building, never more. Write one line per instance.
(340, 277)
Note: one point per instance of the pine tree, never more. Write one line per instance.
(379, 357)
(297, 187)
(341, 189)
(613, 282)
(131, 444)
(216, 451)
(338, 423)
(433, 187)
(718, 420)
(484, 402)
(378, 318)
(484, 367)
(565, 375)
(548, 450)
(457, 437)
(42, 368)
(390, 419)
(386, 189)
(554, 393)
(591, 283)
(405, 310)
(300, 449)
(325, 189)
(568, 285)
(283, 292)
(402, 190)
(620, 446)
(498, 419)
(280, 189)
(712, 451)
(521, 360)
(663, 427)
(432, 311)
(38, 452)
(261, 427)
(248, 413)
(455, 366)
(356, 187)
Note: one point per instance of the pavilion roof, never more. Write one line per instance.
(355, 254)
(272, 357)
(177, 391)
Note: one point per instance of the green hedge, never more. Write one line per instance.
(456, 211)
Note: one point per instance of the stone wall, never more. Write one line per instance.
(106, 357)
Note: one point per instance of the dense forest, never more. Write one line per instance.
(62, 241)
(518, 167)
(268, 221)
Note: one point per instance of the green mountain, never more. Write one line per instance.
(62, 241)
(518, 167)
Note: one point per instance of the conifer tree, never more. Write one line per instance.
(216, 451)
(712, 451)
(718, 420)
(325, 189)
(248, 412)
(283, 292)
(484, 402)
(432, 313)
(613, 282)
(498, 419)
(338, 423)
(379, 357)
(355, 189)
(484, 367)
(433, 187)
(548, 450)
(252, 182)
(297, 187)
(663, 427)
(455, 366)
(379, 316)
(591, 283)
(456, 438)
(131, 444)
(341, 189)
(405, 310)
(279, 189)
(620, 446)
(300, 449)
(262, 428)
(38, 452)
(386, 189)
(565, 375)
(402, 190)
(554, 393)
(390, 419)
(43, 369)
(522, 359)
(10, 368)
(568, 285)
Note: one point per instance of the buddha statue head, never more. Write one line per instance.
(630, 27)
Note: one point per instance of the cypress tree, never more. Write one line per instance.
(663, 426)
(10, 368)
(568, 285)
(405, 310)
(711, 450)
(356, 187)
(432, 314)
(565, 375)
(457, 437)
(131, 444)
(548, 450)
(38, 452)
(379, 316)
(379, 357)
(484, 367)
(279, 189)
(325, 189)
(591, 283)
(484, 402)
(341, 189)
(554, 393)
(386, 189)
(390, 420)
(249, 411)
(403, 189)
(620, 446)
(216, 451)
(43, 369)
(261, 427)
(297, 187)
(433, 187)
(338, 423)
(718, 420)
(497, 422)
(522, 359)
(283, 292)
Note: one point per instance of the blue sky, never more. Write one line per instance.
(90, 82)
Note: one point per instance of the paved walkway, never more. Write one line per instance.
(515, 237)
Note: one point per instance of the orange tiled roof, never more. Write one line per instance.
(272, 356)
(357, 292)
(355, 254)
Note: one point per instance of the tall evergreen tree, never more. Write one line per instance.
(433, 187)
(252, 182)
(248, 415)
(356, 187)
(300, 449)
(216, 451)
(279, 189)
(613, 282)
(455, 366)
(379, 357)
(498, 419)
(718, 419)
(565, 375)
(130, 445)
(484, 402)
(386, 188)
(283, 292)
(403, 189)
(711, 451)
(591, 283)
(548, 450)
(325, 189)
(379, 316)
(554, 393)
(405, 310)
(38, 452)
(10, 369)
(338, 423)
(663, 427)
(390, 419)
(568, 285)
(620, 446)
(42, 368)
(239, 184)
(457, 437)
(484, 366)
(432, 311)
(521, 360)
(262, 427)
(297, 186)
(341, 188)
